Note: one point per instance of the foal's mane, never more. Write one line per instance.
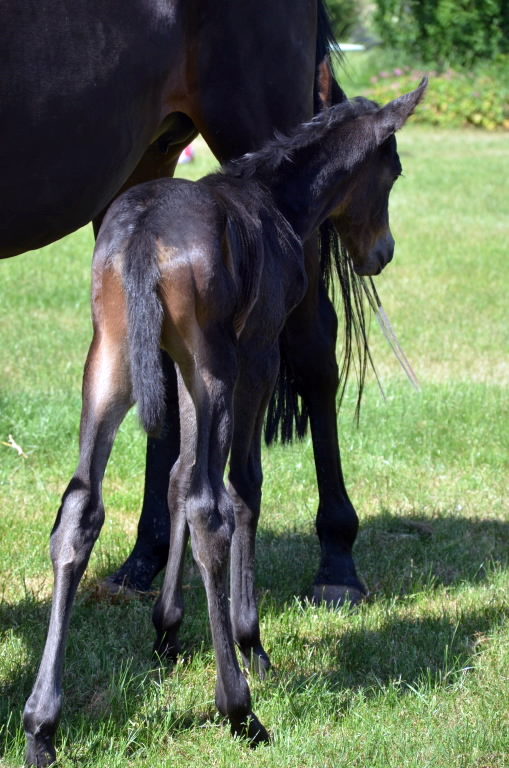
(281, 148)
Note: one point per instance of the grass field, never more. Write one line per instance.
(418, 675)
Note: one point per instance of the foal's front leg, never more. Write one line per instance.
(76, 529)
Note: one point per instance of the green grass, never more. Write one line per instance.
(418, 675)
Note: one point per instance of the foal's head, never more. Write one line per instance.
(362, 217)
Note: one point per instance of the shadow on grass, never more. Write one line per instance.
(399, 558)
(404, 656)
(394, 555)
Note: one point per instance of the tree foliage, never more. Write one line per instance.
(344, 15)
(457, 32)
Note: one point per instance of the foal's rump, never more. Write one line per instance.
(188, 263)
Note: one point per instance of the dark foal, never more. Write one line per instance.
(209, 271)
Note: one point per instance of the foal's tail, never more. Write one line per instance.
(141, 277)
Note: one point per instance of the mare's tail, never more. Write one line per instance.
(287, 414)
(141, 277)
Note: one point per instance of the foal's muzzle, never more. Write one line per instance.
(378, 258)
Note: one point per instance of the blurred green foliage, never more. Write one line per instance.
(344, 15)
(453, 99)
(445, 32)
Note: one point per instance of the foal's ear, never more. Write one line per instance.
(391, 118)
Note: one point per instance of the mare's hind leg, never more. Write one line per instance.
(150, 552)
(252, 393)
(106, 398)
(309, 345)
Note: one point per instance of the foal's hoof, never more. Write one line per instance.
(252, 730)
(257, 662)
(40, 751)
(167, 648)
(335, 595)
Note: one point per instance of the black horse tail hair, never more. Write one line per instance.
(141, 277)
(287, 413)
(337, 269)
(326, 42)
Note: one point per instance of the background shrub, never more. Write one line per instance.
(454, 99)
(344, 16)
(446, 32)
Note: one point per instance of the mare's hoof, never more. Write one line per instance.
(334, 595)
(129, 581)
(111, 588)
(252, 730)
(137, 573)
(40, 751)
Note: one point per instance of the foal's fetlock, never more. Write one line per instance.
(167, 621)
(236, 706)
(40, 731)
(39, 738)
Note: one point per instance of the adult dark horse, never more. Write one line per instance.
(97, 96)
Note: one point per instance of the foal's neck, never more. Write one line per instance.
(308, 187)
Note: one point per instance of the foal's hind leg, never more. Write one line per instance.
(206, 383)
(252, 393)
(106, 398)
(309, 345)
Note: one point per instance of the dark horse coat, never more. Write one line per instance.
(98, 95)
(210, 271)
